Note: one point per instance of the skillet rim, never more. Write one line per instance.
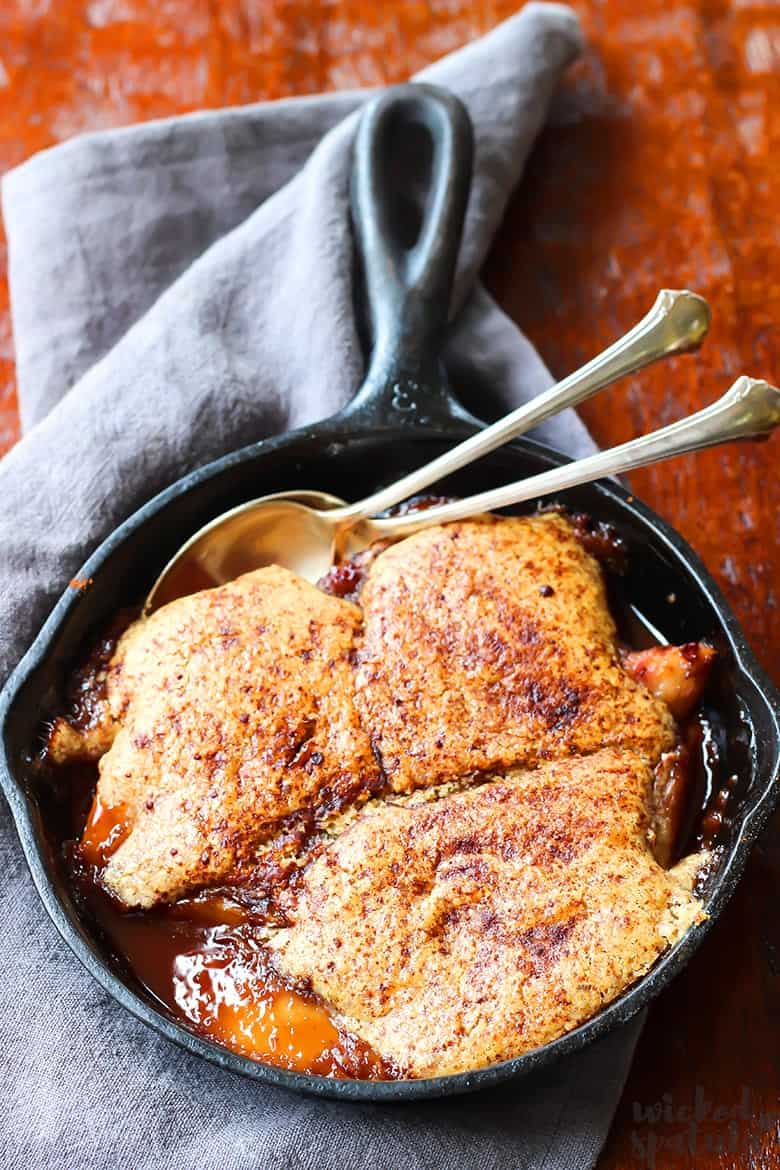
(636, 997)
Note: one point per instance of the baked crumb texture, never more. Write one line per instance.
(454, 934)
(489, 645)
(233, 720)
(460, 766)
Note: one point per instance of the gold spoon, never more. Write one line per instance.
(300, 529)
(297, 535)
(750, 409)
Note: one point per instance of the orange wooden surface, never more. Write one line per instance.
(663, 170)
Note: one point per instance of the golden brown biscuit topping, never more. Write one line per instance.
(448, 804)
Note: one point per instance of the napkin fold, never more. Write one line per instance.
(180, 289)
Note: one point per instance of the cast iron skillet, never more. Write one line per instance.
(403, 416)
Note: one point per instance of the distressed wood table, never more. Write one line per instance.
(661, 169)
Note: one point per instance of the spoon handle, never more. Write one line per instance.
(677, 322)
(749, 410)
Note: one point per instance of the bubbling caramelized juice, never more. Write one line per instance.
(203, 959)
(105, 830)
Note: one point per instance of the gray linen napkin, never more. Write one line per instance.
(179, 289)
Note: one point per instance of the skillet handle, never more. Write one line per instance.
(408, 285)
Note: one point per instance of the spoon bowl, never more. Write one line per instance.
(284, 528)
